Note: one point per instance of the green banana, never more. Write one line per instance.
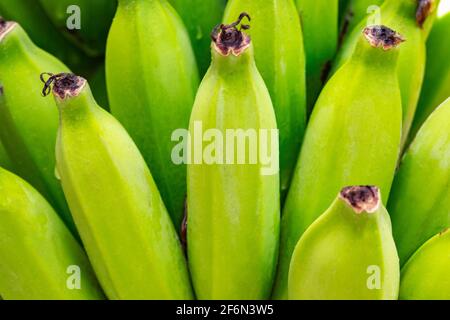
(233, 208)
(277, 37)
(28, 123)
(436, 85)
(5, 161)
(420, 200)
(153, 89)
(353, 138)
(200, 17)
(122, 220)
(410, 19)
(426, 276)
(320, 28)
(95, 18)
(36, 250)
(30, 15)
(348, 253)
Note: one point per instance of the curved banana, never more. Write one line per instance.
(39, 258)
(29, 123)
(233, 207)
(426, 276)
(30, 15)
(348, 253)
(353, 138)
(122, 221)
(408, 18)
(5, 161)
(152, 90)
(320, 26)
(420, 202)
(200, 17)
(436, 84)
(277, 37)
(94, 18)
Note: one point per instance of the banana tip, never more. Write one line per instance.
(380, 36)
(362, 198)
(229, 38)
(64, 84)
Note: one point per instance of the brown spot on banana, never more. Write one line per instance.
(227, 38)
(64, 84)
(380, 36)
(424, 9)
(362, 198)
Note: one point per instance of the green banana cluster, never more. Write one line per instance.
(407, 18)
(95, 17)
(29, 123)
(320, 26)
(420, 200)
(348, 253)
(436, 85)
(233, 209)
(353, 138)
(279, 53)
(152, 91)
(426, 276)
(33, 19)
(39, 255)
(200, 17)
(124, 225)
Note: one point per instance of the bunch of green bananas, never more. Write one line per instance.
(312, 161)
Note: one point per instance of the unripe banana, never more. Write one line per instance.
(409, 18)
(95, 18)
(426, 275)
(29, 123)
(5, 161)
(38, 254)
(233, 208)
(277, 37)
(348, 253)
(152, 90)
(353, 138)
(320, 28)
(30, 15)
(420, 203)
(200, 17)
(122, 220)
(436, 84)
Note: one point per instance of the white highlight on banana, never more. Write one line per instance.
(444, 8)
(73, 22)
(374, 17)
(73, 282)
(227, 147)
